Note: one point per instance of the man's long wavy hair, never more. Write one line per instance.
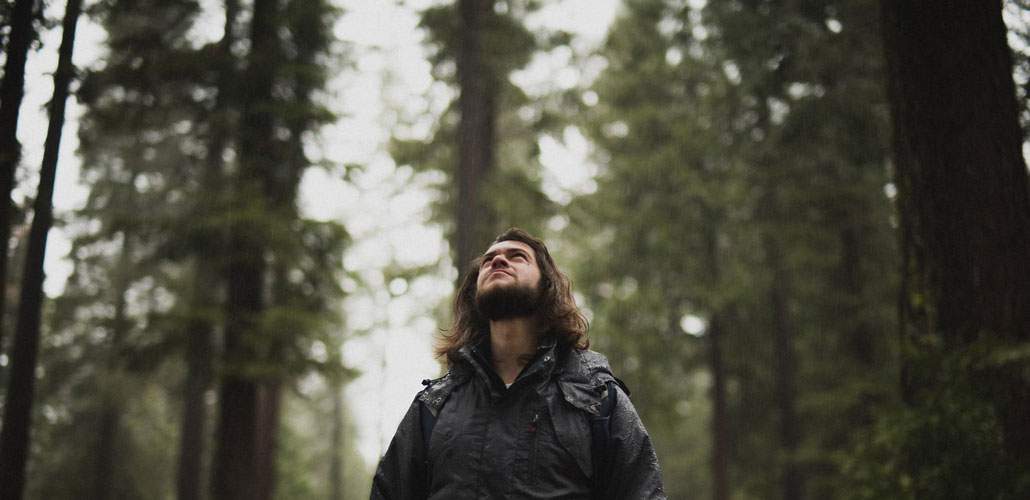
(560, 318)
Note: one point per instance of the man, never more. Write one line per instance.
(525, 410)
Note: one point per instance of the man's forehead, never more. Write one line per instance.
(502, 246)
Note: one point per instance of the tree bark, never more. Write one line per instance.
(200, 330)
(11, 92)
(110, 413)
(858, 332)
(477, 104)
(241, 468)
(194, 413)
(104, 455)
(336, 447)
(785, 367)
(14, 438)
(962, 189)
(720, 414)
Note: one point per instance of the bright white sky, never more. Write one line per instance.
(385, 208)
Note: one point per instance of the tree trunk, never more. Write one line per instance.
(11, 92)
(269, 407)
(785, 368)
(336, 446)
(720, 415)
(14, 438)
(858, 333)
(200, 330)
(963, 191)
(477, 104)
(241, 469)
(194, 414)
(104, 455)
(110, 412)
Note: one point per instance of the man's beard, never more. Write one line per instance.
(507, 302)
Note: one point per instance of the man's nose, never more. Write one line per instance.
(499, 261)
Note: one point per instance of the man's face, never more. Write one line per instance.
(509, 281)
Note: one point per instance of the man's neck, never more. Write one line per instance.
(512, 343)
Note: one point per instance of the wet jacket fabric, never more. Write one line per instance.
(529, 441)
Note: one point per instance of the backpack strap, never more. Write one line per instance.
(431, 400)
(600, 438)
(426, 420)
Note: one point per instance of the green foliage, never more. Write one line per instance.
(948, 447)
(73, 394)
(305, 447)
(724, 130)
(158, 146)
(511, 194)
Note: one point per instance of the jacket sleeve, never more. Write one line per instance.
(633, 464)
(401, 471)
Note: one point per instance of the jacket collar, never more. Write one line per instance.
(477, 357)
(581, 376)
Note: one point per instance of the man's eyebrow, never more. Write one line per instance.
(506, 251)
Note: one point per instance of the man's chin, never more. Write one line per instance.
(502, 301)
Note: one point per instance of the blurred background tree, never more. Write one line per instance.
(485, 146)
(756, 270)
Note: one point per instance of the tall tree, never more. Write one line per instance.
(745, 142)
(965, 210)
(159, 144)
(237, 464)
(477, 102)
(204, 317)
(14, 437)
(667, 258)
(281, 269)
(135, 144)
(485, 147)
(111, 404)
(11, 92)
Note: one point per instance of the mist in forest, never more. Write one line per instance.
(799, 231)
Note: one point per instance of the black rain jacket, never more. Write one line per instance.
(529, 441)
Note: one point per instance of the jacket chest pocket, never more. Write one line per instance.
(548, 463)
(534, 435)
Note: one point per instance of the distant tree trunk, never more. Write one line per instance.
(109, 416)
(200, 330)
(104, 458)
(859, 332)
(336, 445)
(269, 408)
(269, 404)
(720, 414)
(785, 368)
(859, 336)
(477, 104)
(104, 454)
(191, 444)
(199, 333)
(242, 467)
(963, 190)
(11, 92)
(14, 438)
